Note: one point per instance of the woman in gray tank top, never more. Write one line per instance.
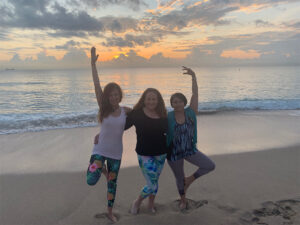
(109, 145)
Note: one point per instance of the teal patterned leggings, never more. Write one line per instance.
(151, 167)
(94, 173)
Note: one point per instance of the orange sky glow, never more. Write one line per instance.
(174, 29)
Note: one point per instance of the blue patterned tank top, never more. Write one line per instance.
(183, 140)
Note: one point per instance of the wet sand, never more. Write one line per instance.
(42, 176)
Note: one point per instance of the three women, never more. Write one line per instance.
(152, 123)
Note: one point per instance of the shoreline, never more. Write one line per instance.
(218, 134)
(211, 112)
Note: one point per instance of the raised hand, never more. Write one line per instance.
(194, 98)
(188, 71)
(94, 57)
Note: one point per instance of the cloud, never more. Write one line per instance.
(56, 19)
(3, 36)
(132, 4)
(296, 25)
(36, 15)
(5, 13)
(292, 24)
(160, 60)
(43, 15)
(267, 48)
(74, 58)
(68, 34)
(68, 45)
(250, 2)
(165, 6)
(283, 49)
(42, 58)
(15, 59)
(262, 23)
(203, 14)
(119, 24)
(130, 41)
(240, 54)
(132, 59)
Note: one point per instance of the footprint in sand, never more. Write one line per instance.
(227, 208)
(191, 205)
(100, 215)
(159, 208)
(280, 213)
(104, 216)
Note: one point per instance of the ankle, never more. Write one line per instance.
(150, 205)
(112, 217)
(135, 207)
(137, 203)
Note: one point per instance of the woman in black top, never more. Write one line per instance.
(149, 116)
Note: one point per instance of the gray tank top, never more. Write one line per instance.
(110, 137)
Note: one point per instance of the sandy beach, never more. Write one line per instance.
(256, 181)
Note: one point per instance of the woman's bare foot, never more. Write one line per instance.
(135, 207)
(152, 210)
(182, 204)
(151, 207)
(112, 217)
(188, 181)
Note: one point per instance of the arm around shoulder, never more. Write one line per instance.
(129, 119)
(127, 110)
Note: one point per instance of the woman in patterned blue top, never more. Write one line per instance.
(182, 139)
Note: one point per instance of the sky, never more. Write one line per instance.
(49, 34)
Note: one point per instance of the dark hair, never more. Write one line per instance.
(180, 96)
(105, 107)
(160, 108)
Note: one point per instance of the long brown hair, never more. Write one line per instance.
(160, 108)
(105, 107)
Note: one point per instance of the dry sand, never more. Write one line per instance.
(42, 176)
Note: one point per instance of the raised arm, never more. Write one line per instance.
(194, 98)
(98, 89)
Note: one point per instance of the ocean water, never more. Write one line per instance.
(54, 99)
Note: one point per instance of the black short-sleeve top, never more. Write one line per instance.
(151, 133)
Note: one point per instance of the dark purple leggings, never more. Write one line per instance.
(204, 163)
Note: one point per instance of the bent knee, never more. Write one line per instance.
(91, 182)
(153, 189)
(212, 166)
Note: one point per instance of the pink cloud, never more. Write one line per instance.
(240, 54)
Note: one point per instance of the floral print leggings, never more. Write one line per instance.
(94, 173)
(151, 167)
